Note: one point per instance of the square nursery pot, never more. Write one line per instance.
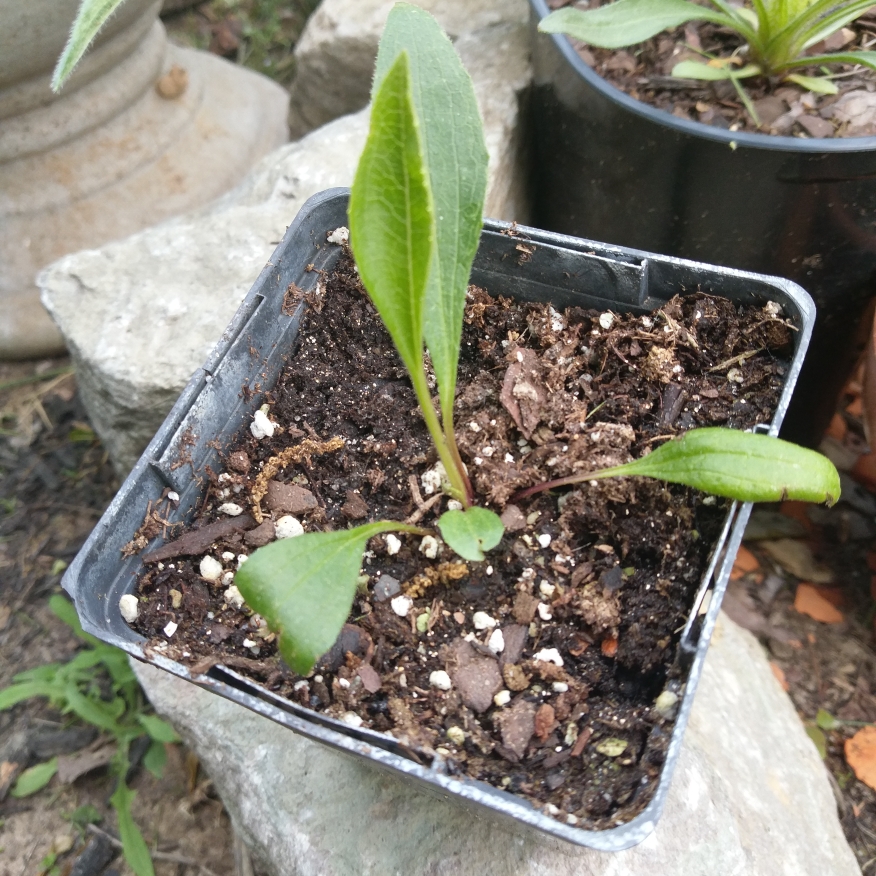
(212, 410)
(606, 165)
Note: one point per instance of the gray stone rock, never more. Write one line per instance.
(336, 52)
(141, 314)
(750, 795)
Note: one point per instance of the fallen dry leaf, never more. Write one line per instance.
(861, 755)
(72, 766)
(796, 557)
(810, 601)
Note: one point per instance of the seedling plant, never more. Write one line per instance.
(415, 217)
(79, 688)
(775, 35)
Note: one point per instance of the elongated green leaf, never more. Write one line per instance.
(304, 588)
(158, 729)
(392, 226)
(35, 778)
(92, 711)
(90, 19)
(456, 165)
(155, 759)
(826, 721)
(818, 84)
(696, 70)
(134, 847)
(471, 532)
(62, 608)
(739, 465)
(17, 693)
(867, 59)
(627, 22)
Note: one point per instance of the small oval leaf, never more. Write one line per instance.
(739, 465)
(304, 588)
(471, 532)
(35, 778)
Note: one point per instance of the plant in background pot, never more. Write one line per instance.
(464, 665)
(622, 154)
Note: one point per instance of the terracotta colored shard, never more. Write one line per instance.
(780, 675)
(837, 428)
(810, 601)
(609, 647)
(861, 755)
(744, 563)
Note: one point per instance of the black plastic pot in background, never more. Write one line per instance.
(212, 410)
(608, 167)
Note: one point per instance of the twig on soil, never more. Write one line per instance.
(156, 855)
(735, 360)
(299, 453)
(422, 507)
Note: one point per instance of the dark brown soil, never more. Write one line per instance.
(603, 578)
(643, 71)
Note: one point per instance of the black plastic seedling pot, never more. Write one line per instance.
(608, 166)
(212, 410)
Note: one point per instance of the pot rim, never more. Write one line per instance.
(812, 146)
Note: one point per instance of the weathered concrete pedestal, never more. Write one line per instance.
(110, 155)
(750, 795)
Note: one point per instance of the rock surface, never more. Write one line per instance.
(750, 796)
(140, 315)
(336, 52)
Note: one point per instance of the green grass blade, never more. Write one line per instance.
(25, 690)
(818, 84)
(867, 59)
(304, 588)
(134, 847)
(455, 158)
(628, 22)
(63, 609)
(392, 225)
(90, 19)
(158, 729)
(696, 70)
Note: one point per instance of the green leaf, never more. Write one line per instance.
(471, 532)
(92, 711)
(158, 729)
(63, 609)
(89, 20)
(134, 847)
(826, 721)
(627, 22)
(155, 759)
(35, 778)
(818, 84)
(696, 70)
(304, 588)
(866, 59)
(456, 165)
(17, 693)
(392, 225)
(818, 737)
(739, 465)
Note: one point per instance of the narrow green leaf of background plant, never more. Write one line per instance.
(456, 165)
(158, 729)
(818, 84)
(817, 736)
(155, 759)
(471, 532)
(826, 721)
(304, 587)
(627, 22)
(697, 70)
(90, 18)
(738, 465)
(17, 693)
(134, 847)
(63, 609)
(35, 778)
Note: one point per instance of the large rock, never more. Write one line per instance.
(335, 54)
(140, 315)
(750, 795)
